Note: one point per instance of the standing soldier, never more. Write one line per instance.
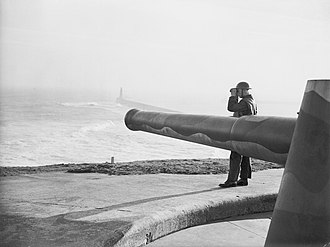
(240, 164)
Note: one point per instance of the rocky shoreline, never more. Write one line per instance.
(171, 166)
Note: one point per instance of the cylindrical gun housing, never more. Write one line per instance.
(265, 138)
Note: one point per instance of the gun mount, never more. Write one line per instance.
(265, 138)
(301, 214)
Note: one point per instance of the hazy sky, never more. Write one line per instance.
(188, 51)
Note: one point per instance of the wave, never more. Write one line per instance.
(98, 127)
(113, 107)
(80, 104)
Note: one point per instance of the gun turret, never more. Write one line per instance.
(260, 137)
(301, 213)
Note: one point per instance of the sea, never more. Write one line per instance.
(42, 129)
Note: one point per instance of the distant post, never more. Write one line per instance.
(302, 211)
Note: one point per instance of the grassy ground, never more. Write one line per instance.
(172, 166)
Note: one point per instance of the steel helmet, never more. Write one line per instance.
(243, 85)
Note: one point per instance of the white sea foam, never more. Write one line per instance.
(98, 127)
(79, 104)
(95, 127)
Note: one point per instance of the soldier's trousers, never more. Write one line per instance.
(238, 164)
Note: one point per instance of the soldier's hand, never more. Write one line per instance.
(233, 92)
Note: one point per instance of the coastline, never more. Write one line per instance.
(170, 166)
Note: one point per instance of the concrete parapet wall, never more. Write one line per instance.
(163, 223)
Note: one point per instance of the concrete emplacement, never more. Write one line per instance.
(302, 210)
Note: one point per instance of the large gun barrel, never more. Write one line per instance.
(261, 137)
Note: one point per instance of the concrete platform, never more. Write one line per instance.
(65, 209)
(239, 231)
